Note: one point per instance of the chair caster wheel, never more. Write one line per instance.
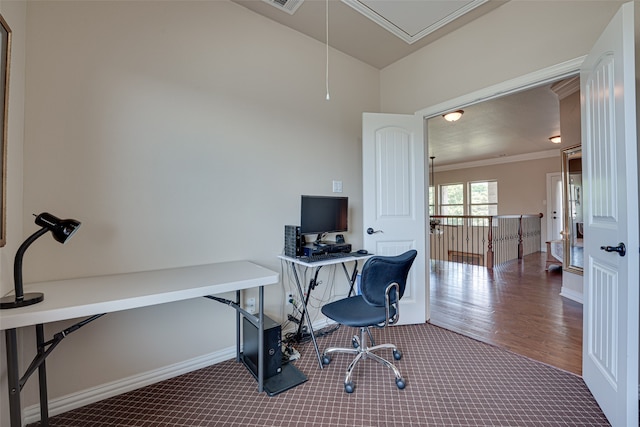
(397, 354)
(349, 387)
(400, 383)
(326, 359)
(354, 342)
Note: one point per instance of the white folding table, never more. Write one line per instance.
(93, 297)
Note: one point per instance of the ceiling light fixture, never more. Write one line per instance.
(453, 116)
(556, 139)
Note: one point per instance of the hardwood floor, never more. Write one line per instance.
(516, 306)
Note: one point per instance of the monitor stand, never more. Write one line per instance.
(318, 241)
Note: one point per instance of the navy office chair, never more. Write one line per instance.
(382, 284)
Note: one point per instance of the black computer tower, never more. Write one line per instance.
(293, 241)
(272, 347)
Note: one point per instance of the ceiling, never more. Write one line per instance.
(380, 32)
(353, 31)
(513, 125)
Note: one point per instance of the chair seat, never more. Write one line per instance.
(354, 311)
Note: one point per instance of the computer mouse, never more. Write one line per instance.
(363, 251)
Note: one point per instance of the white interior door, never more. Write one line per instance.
(611, 300)
(393, 199)
(554, 206)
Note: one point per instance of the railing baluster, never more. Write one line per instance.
(468, 239)
(490, 244)
(520, 247)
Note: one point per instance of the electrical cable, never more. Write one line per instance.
(327, 48)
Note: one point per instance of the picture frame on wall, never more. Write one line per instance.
(5, 59)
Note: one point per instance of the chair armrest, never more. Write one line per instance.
(387, 305)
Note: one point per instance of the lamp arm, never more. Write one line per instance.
(17, 265)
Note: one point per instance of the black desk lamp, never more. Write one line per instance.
(62, 230)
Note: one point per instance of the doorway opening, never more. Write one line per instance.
(506, 138)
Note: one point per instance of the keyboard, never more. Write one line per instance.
(324, 257)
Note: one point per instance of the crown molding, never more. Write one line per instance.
(566, 87)
(500, 160)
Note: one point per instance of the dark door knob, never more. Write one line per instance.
(621, 249)
(372, 231)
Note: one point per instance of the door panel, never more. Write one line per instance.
(611, 299)
(394, 199)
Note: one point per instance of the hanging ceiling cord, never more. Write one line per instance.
(327, 48)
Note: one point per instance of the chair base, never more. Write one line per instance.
(362, 351)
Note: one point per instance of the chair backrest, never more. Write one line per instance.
(380, 271)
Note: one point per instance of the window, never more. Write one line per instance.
(479, 199)
(483, 198)
(452, 202)
(452, 199)
(432, 202)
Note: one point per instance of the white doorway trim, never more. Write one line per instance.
(537, 78)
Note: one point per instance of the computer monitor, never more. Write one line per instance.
(323, 214)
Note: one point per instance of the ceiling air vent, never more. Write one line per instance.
(289, 6)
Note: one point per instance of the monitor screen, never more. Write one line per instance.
(323, 214)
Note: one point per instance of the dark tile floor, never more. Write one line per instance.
(451, 380)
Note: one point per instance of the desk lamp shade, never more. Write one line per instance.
(62, 230)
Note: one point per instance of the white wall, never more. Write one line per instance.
(179, 133)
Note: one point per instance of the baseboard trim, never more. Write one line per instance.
(572, 295)
(94, 394)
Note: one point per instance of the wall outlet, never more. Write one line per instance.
(250, 305)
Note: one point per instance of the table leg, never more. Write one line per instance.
(261, 339)
(306, 315)
(305, 300)
(42, 377)
(13, 378)
(351, 278)
(240, 312)
(238, 327)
